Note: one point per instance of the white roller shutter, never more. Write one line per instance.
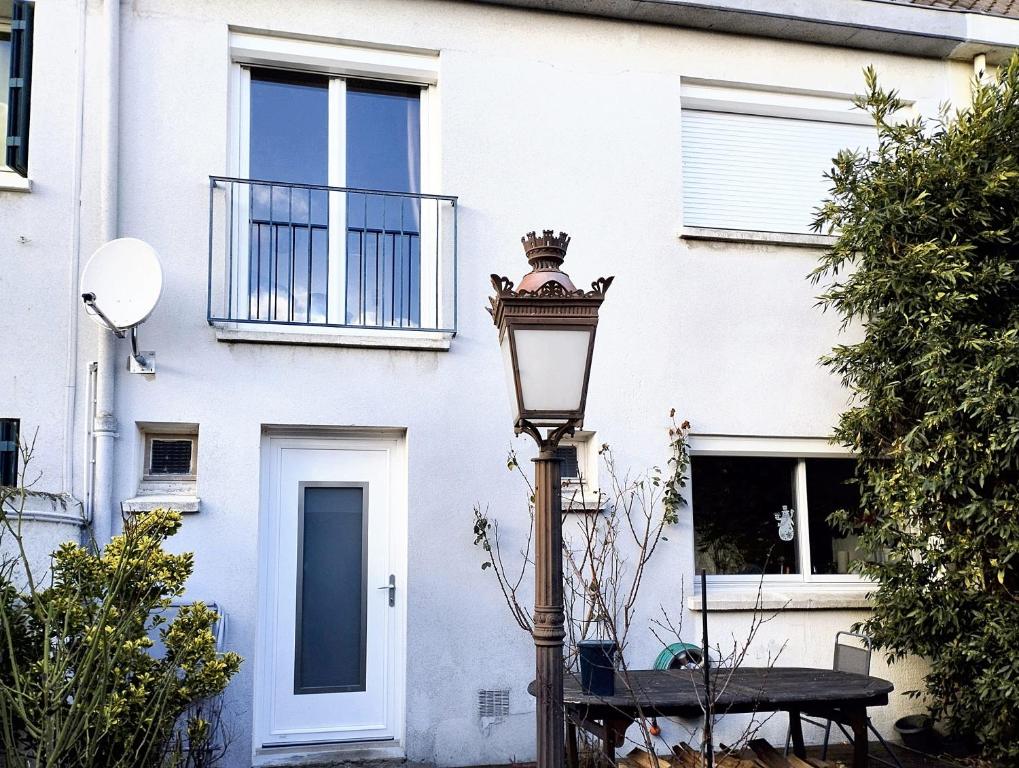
(759, 173)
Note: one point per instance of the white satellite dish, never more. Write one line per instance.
(121, 285)
(126, 279)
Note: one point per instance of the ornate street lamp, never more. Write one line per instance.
(546, 332)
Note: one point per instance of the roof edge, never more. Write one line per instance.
(875, 25)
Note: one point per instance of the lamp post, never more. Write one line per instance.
(546, 332)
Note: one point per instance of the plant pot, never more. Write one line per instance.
(597, 666)
(917, 732)
(958, 745)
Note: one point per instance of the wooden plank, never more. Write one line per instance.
(685, 756)
(769, 757)
(642, 759)
(819, 763)
(728, 758)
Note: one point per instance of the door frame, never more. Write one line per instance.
(393, 442)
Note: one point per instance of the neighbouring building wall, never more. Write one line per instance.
(39, 237)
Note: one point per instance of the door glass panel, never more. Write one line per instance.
(289, 227)
(331, 590)
(383, 231)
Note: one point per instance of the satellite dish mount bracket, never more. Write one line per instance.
(137, 362)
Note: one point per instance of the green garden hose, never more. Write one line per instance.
(678, 655)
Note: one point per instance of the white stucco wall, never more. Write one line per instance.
(546, 121)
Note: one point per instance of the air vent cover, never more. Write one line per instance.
(493, 703)
(170, 457)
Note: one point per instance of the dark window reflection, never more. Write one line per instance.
(735, 502)
(289, 228)
(831, 487)
(383, 231)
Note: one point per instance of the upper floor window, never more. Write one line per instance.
(16, 30)
(326, 220)
(761, 507)
(369, 140)
(755, 160)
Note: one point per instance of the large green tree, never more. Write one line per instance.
(926, 261)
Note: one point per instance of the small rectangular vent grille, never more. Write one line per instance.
(493, 703)
(570, 466)
(171, 457)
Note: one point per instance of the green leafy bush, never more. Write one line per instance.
(926, 260)
(78, 684)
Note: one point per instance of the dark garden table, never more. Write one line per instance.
(821, 693)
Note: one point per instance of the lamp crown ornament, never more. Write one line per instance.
(546, 246)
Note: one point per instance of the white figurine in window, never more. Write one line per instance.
(785, 523)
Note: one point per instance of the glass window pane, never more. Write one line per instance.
(831, 487)
(289, 127)
(383, 138)
(331, 607)
(737, 514)
(383, 231)
(5, 74)
(289, 142)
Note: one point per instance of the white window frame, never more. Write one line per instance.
(766, 101)
(775, 447)
(179, 492)
(582, 494)
(338, 61)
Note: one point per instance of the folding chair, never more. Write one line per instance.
(854, 659)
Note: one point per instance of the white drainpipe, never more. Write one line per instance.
(105, 424)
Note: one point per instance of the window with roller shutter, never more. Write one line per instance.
(756, 166)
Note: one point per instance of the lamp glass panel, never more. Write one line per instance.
(553, 364)
(511, 387)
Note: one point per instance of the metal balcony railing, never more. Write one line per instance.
(283, 254)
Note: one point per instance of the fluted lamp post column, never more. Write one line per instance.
(546, 332)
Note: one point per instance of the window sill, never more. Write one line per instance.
(794, 239)
(184, 504)
(364, 339)
(12, 182)
(591, 505)
(810, 597)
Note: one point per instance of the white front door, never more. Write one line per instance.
(328, 626)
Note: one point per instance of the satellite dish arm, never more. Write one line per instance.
(90, 302)
(138, 358)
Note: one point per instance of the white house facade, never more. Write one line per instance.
(329, 186)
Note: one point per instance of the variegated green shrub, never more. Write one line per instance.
(79, 685)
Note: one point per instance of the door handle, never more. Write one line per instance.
(391, 586)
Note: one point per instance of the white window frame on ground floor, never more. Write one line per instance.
(802, 590)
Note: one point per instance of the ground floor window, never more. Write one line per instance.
(767, 514)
